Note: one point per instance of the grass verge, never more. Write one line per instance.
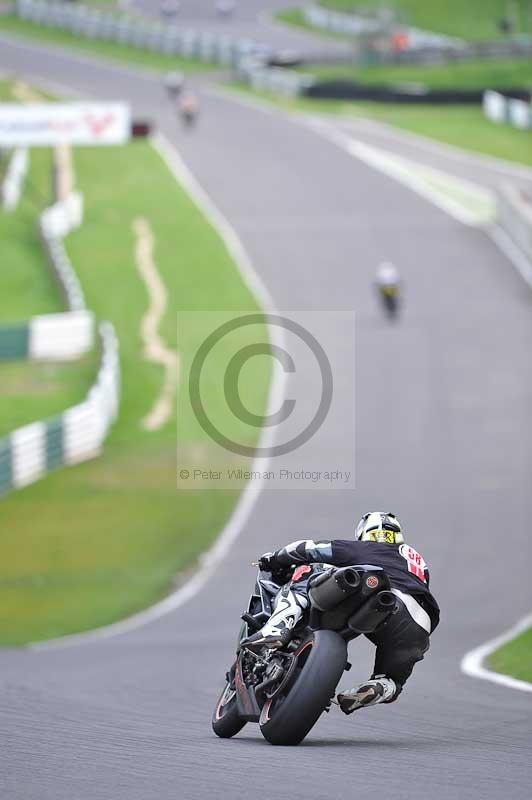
(477, 19)
(296, 18)
(462, 126)
(115, 52)
(27, 287)
(92, 544)
(468, 75)
(31, 391)
(515, 658)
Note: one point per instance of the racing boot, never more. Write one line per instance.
(377, 690)
(277, 632)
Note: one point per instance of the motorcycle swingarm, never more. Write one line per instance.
(246, 702)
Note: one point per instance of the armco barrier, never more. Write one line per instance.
(14, 178)
(273, 79)
(514, 210)
(29, 453)
(140, 33)
(253, 62)
(508, 107)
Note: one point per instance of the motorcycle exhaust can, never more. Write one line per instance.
(328, 591)
(373, 612)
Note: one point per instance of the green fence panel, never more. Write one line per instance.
(54, 443)
(6, 466)
(14, 341)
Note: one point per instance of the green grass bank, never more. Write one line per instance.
(30, 391)
(515, 658)
(477, 19)
(89, 545)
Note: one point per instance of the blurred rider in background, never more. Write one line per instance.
(174, 83)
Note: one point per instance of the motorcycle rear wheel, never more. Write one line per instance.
(288, 717)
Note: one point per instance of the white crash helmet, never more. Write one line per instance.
(381, 527)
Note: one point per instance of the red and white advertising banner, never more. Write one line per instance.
(43, 124)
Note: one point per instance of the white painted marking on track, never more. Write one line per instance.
(438, 148)
(512, 252)
(463, 200)
(472, 663)
(210, 560)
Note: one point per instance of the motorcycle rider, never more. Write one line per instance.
(189, 107)
(401, 640)
(174, 83)
(388, 282)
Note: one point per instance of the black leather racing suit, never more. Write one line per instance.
(403, 639)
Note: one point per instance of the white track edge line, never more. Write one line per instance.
(383, 160)
(472, 664)
(444, 149)
(513, 253)
(234, 527)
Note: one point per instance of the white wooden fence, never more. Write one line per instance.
(77, 435)
(15, 175)
(501, 109)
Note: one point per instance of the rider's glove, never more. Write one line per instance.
(268, 562)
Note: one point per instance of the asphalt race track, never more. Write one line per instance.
(443, 438)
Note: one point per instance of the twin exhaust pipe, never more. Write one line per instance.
(331, 589)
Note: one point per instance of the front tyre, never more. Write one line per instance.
(226, 721)
(288, 716)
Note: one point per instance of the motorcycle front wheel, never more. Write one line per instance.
(226, 721)
(288, 716)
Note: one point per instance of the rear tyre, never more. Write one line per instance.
(226, 721)
(288, 717)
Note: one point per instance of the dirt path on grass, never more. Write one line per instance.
(154, 347)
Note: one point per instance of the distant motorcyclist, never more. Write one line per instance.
(225, 8)
(401, 640)
(174, 83)
(188, 107)
(388, 282)
(170, 8)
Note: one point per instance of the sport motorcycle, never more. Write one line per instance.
(286, 689)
